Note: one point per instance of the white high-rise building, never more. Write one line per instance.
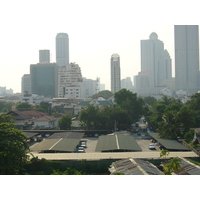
(44, 56)
(62, 49)
(26, 84)
(186, 57)
(69, 78)
(126, 83)
(115, 73)
(156, 66)
(155, 60)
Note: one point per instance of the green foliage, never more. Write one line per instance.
(150, 100)
(6, 118)
(117, 173)
(42, 166)
(5, 107)
(22, 106)
(164, 153)
(104, 119)
(172, 166)
(171, 118)
(13, 149)
(189, 136)
(169, 127)
(65, 122)
(194, 105)
(69, 171)
(46, 106)
(129, 102)
(105, 94)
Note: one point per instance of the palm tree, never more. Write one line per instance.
(164, 153)
(172, 166)
(169, 127)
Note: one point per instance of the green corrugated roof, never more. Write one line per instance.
(127, 142)
(106, 143)
(82, 103)
(167, 143)
(117, 142)
(58, 144)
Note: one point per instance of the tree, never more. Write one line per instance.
(22, 106)
(13, 149)
(131, 103)
(164, 153)
(65, 122)
(169, 127)
(5, 107)
(91, 117)
(46, 106)
(172, 166)
(105, 94)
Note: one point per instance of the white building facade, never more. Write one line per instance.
(156, 66)
(69, 78)
(62, 49)
(26, 84)
(186, 57)
(115, 73)
(44, 56)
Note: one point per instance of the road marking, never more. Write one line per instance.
(117, 142)
(55, 144)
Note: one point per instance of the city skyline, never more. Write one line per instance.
(94, 35)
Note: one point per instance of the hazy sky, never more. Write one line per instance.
(96, 30)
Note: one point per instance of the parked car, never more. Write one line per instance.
(83, 144)
(80, 150)
(152, 146)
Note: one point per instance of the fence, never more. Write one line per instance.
(191, 148)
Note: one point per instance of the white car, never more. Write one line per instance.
(81, 150)
(152, 146)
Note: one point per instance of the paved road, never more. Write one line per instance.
(97, 156)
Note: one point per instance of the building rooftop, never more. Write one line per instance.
(134, 167)
(117, 142)
(168, 144)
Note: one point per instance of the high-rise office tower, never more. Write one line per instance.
(69, 78)
(115, 73)
(155, 61)
(44, 56)
(26, 84)
(44, 79)
(62, 49)
(186, 57)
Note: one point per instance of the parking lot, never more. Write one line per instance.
(91, 143)
(144, 143)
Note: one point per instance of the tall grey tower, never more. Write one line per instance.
(115, 73)
(44, 56)
(155, 61)
(62, 49)
(186, 57)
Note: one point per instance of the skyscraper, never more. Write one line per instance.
(156, 67)
(186, 57)
(115, 73)
(62, 49)
(155, 60)
(26, 84)
(44, 79)
(44, 56)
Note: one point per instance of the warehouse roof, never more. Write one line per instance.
(72, 135)
(134, 167)
(167, 143)
(30, 134)
(117, 142)
(188, 168)
(57, 144)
